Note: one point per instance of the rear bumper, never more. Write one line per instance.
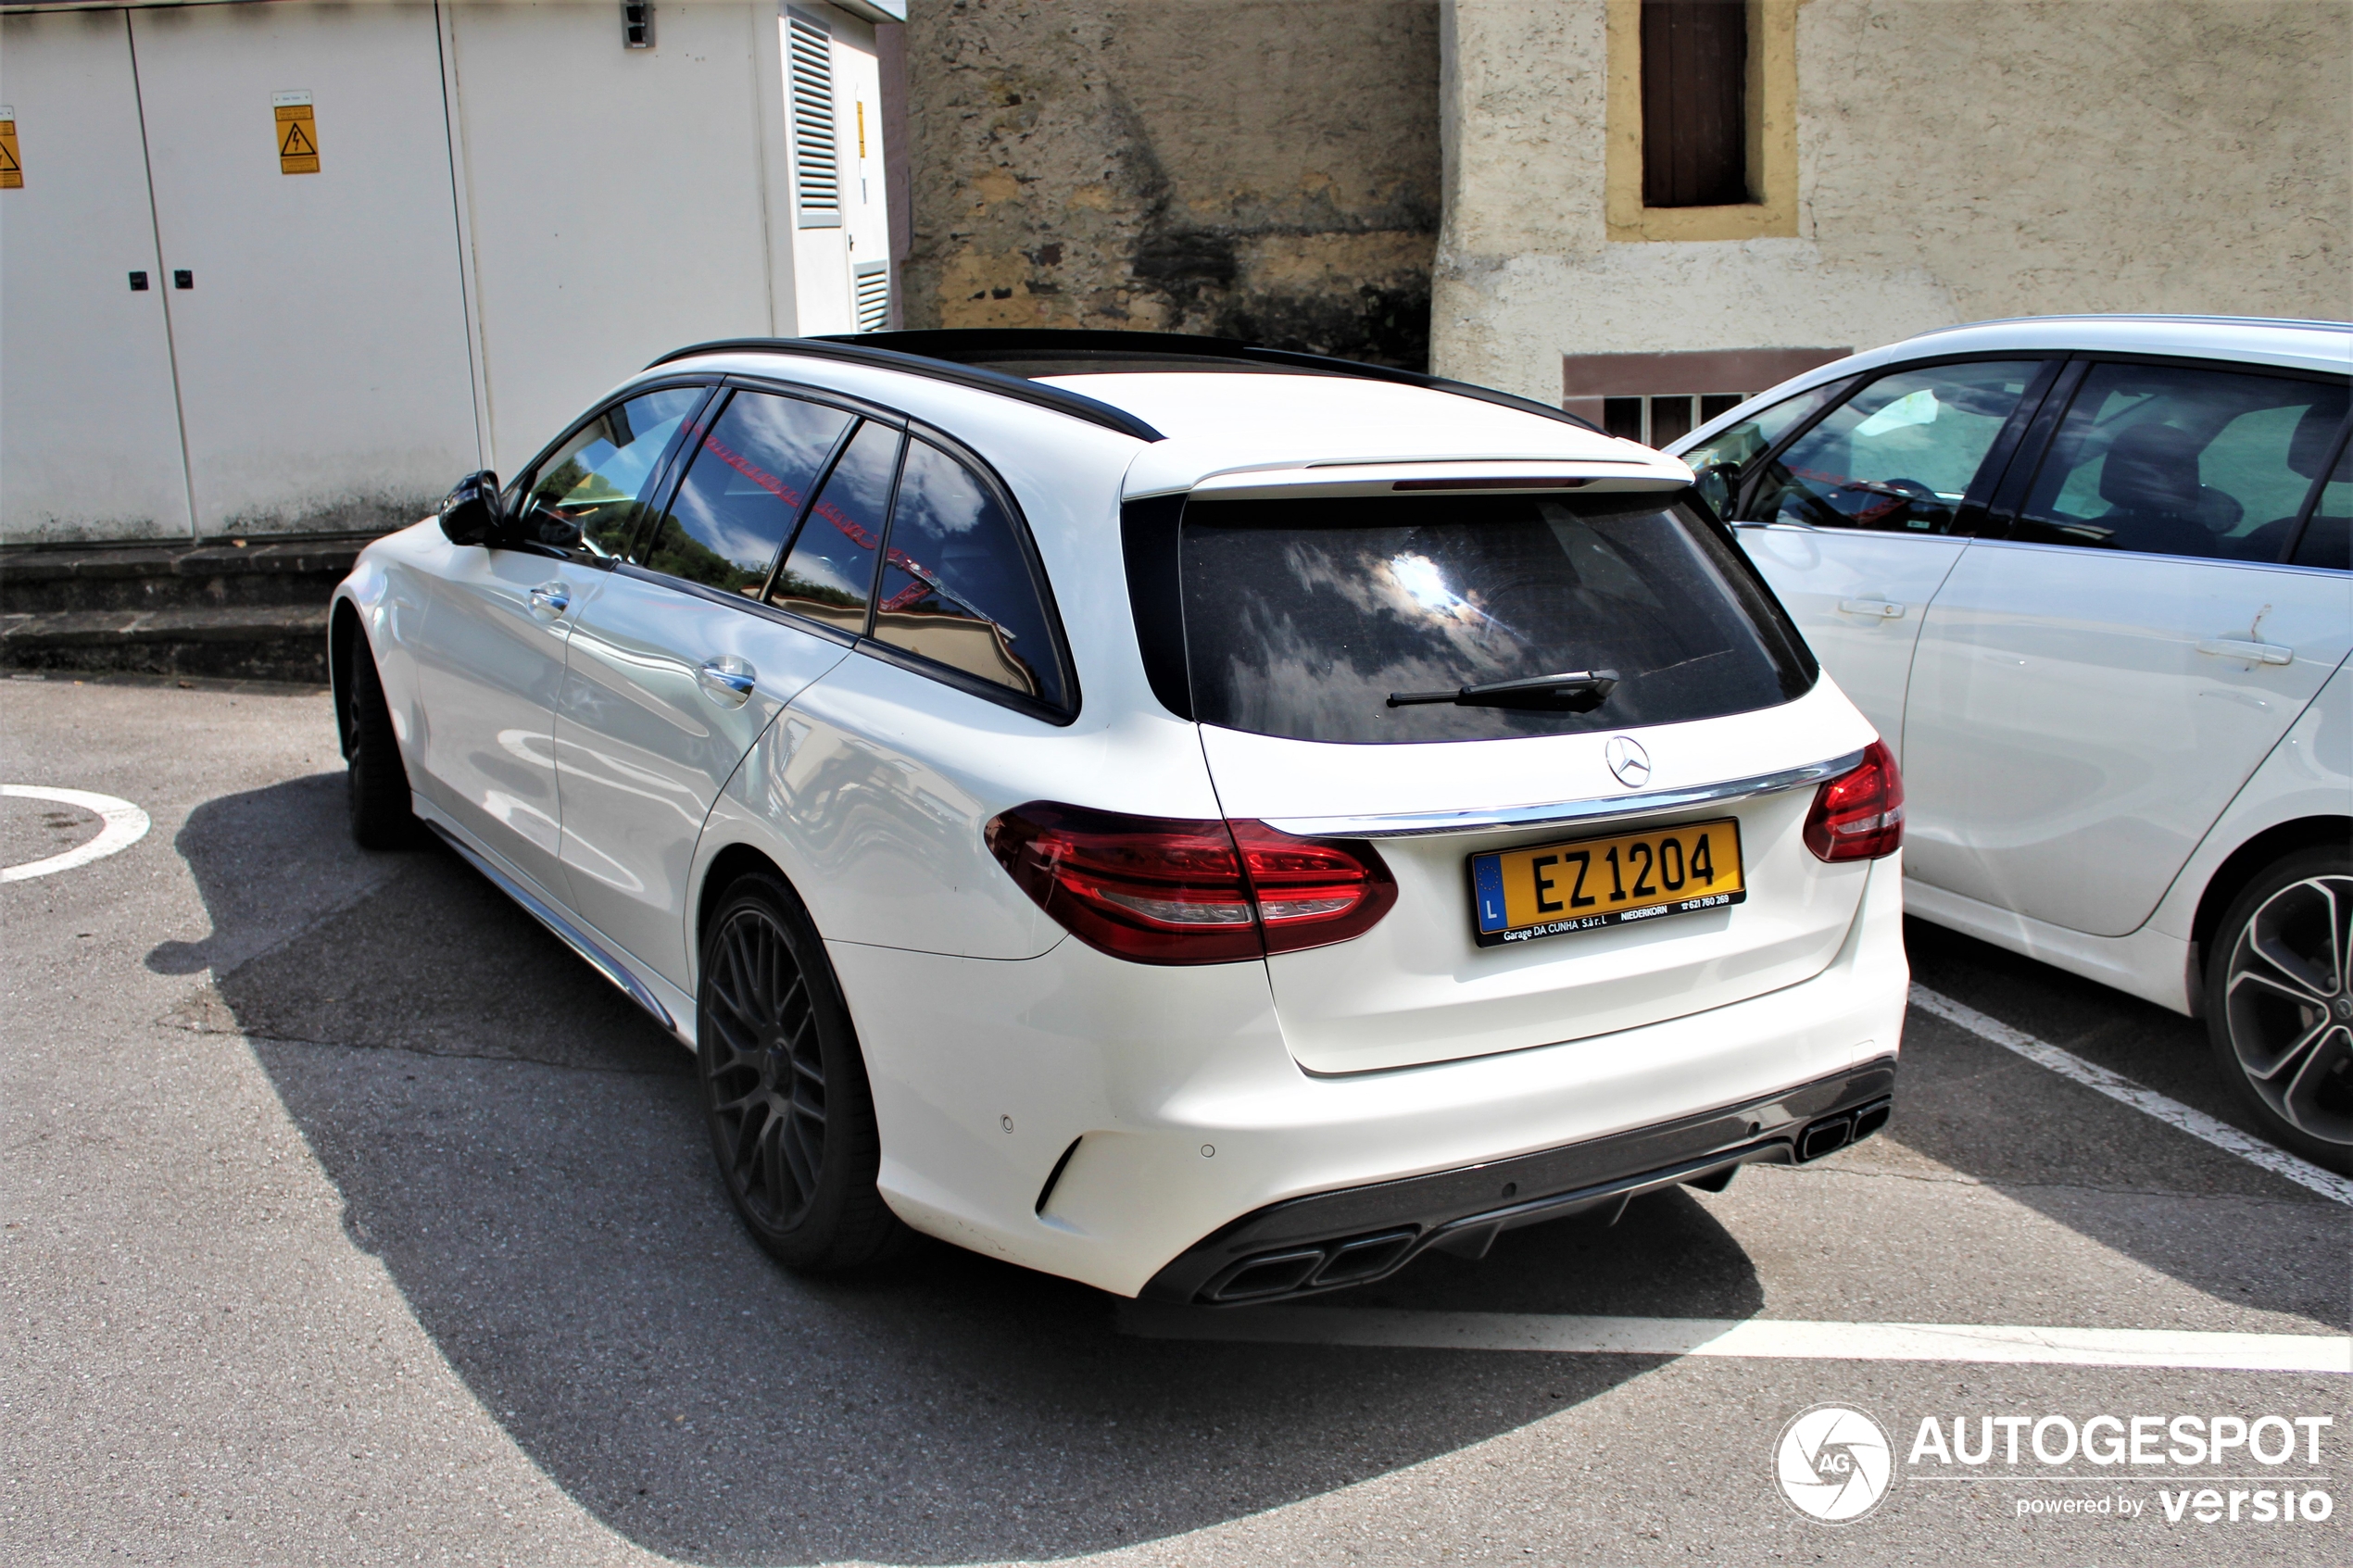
(1098, 1119)
(1329, 1240)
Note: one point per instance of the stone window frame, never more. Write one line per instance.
(1771, 108)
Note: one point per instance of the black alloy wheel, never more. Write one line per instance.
(373, 773)
(792, 1121)
(2280, 1002)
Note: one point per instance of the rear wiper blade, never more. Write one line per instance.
(1578, 690)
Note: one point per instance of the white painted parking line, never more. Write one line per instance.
(1768, 1338)
(2173, 1112)
(124, 825)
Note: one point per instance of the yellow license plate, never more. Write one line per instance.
(1549, 889)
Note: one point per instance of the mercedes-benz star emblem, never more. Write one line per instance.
(1628, 761)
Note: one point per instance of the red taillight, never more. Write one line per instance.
(1859, 815)
(1209, 891)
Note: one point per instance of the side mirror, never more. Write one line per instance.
(1718, 483)
(470, 515)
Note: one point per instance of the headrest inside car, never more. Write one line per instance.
(2315, 436)
(2153, 469)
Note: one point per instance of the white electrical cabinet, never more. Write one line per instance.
(277, 267)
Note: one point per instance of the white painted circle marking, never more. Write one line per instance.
(125, 825)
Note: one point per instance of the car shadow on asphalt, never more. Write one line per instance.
(526, 1155)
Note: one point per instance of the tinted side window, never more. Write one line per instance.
(1899, 454)
(829, 575)
(2328, 535)
(587, 496)
(751, 475)
(2175, 461)
(956, 584)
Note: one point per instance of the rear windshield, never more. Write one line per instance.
(1303, 618)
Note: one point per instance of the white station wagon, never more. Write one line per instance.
(2090, 577)
(1202, 820)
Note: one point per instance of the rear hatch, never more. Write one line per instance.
(1570, 861)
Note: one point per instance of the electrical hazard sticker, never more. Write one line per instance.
(297, 134)
(11, 165)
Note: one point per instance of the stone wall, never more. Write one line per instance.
(1955, 162)
(1246, 168)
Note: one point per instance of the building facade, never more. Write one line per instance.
(1226, 167)
(1651, 203)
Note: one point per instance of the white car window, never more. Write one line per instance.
(1899, 454)
(2166, 459)
(956, 584)
(587, 496)
(751, 475)
(1308, 619)
(1742, 444)
(829, 576)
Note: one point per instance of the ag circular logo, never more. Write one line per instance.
(1834, 1463)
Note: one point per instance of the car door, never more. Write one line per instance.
(2095, 685)
(680, 663)
(490, 660)
(1856, 521)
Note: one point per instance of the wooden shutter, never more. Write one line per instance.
(1694, 103)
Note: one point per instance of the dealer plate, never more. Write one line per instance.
(1550, 890)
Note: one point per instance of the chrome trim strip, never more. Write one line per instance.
(1409, 825)
(571, 936)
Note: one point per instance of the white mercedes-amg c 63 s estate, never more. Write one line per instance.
(1206, 821)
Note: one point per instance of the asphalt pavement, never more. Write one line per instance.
(351, 1218)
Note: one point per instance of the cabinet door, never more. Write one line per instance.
(321, 347)
(89, 428)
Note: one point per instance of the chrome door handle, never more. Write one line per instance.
(551, 599)
(2254, 653)
(1883, 609)
(727, 681)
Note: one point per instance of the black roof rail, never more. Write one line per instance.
(937, 369)
(974, 346)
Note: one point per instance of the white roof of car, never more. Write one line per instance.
(1244, 428)
(2252, 339)
(1230, 422)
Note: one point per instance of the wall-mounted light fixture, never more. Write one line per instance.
(636, 24)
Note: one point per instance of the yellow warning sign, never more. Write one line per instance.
(297, 134)
(11, 163)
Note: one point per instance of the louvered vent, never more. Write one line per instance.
(816, 152)
(874, 296)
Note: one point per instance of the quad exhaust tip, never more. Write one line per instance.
(1835, 1133)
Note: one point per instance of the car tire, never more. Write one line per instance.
(2278, 1007)
(791, 1116)
(378, 781)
